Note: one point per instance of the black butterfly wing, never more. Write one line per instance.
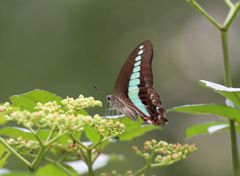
(121, 85)
(134, 85)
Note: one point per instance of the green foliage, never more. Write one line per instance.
(229, 111)
(92, 134)
(30, 99)
(205, 128)
(215, 109)
(232, 94)
(2, 120)
(18, 173)
(52, 169)
(157, 154)
(4, 154)
(134, 129)
(46, 125)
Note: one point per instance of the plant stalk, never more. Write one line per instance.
(233, 12)
(205, 14)
(228, 82)
(14, 152)
(59, 165)
(39, 157)
(142, 170)
(90, 163)
(227, 67)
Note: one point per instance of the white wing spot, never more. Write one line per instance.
(140, 52)
(151, 96)
(153, 101)
(149, 121)
(141, 47)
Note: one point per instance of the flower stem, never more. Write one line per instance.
(39, 157)
(228, 82)
(14, 152)
(146, 167)
(90, 163)
(204, 13)
(142, 170)
(59, 165)
(227, 68)
(233, 12)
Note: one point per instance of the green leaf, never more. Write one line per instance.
(15, 132)
(29, 100)
(205, 128)
(2, 119)
(51, 169)
(92, 134)
(216, 109)
(4, 154)
(230, 93)
(18, 173)
(135, 129)
(82, 112)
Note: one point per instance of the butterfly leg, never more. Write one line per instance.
(109, 112)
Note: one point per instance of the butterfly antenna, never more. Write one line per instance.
(100, 90)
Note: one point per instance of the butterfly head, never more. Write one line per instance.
(109, 98)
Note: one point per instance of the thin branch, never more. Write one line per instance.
(51, 134)
(59, 165)
(231, 16)
(14, 152)
(78, 142)
(204, 13)
(83, 155)
(229, 3)
(98, 153)
(36, 136)
(60, 134)
(38, 157)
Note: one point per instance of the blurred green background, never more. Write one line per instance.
(68, 46)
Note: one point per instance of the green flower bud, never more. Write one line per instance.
(146, 155)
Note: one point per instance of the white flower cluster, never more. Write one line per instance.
(21, 144)
(165, 153)
(64, 117)
(80, 103)
(5, 107)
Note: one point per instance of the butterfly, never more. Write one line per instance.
(134, 94)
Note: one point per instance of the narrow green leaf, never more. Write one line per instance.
(135, 129)
(30, 99)
(92, 134)
(216, 109)
(230, 93)
(205, 128)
